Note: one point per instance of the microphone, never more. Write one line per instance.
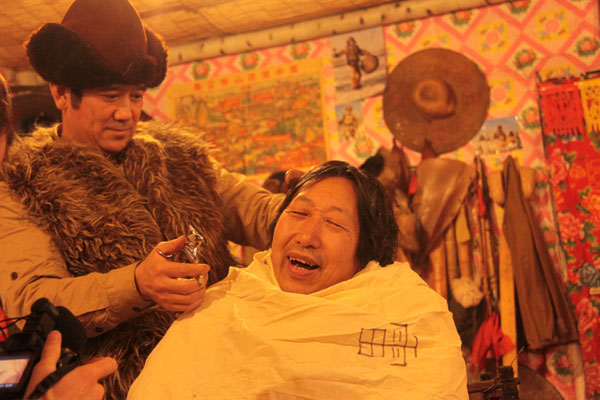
(71, 329)
(44, 318)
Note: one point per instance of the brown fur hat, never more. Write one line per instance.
(98, 43)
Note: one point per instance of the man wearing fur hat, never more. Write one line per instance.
(86, 206)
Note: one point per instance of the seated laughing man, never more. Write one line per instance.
(316, 316)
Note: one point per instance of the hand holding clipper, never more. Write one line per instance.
(190, 252)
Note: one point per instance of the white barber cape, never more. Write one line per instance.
(384, 334)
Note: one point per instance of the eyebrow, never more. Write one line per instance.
(331, 208)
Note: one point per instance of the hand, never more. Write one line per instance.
(80, 383)
(292, 176)
(157, 279)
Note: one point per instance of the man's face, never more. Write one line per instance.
(106, 117)
(315, 239)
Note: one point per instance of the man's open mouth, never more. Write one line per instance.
(302, 264)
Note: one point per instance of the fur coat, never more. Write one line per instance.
(105, 212)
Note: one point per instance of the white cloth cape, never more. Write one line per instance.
(383, 334)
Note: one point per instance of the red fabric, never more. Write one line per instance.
(2, 326)
(561, 109)
(575, 177)
(412, 187)
(489, 337)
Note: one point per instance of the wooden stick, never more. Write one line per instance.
(450, 245)
(508, 316)
(437, 277)
(489, 253)
(464, 289)
(463, 244)
(485, 271)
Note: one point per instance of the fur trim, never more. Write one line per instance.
(157, 48)
(59, 55)
(108, 212)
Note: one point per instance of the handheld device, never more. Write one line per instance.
(22, 350)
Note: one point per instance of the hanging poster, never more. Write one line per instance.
(259, 121)
(498, 135)
(359, 66)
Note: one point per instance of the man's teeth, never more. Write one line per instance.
(302, 264)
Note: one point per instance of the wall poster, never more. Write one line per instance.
(259, 121)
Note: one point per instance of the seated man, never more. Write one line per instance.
(316, 316)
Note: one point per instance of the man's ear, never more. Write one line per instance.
(59, 94)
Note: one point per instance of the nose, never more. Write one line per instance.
(309, 233)
(124, 109)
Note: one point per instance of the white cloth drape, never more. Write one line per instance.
(384, 334)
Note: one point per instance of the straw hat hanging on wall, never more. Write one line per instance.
(437, 96)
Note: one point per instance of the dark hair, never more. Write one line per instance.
(76, 95)
(373, 165)
(6, 125)
(378, 237)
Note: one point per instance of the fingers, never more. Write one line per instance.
(180, 270)
(292, 176)
(47, 363)
(194, 305)
(159, 279)
(171, 277)
(51, 349)
(49, 357)
(172, 246)
(173, 302)
(82, 382)
(99, 368)
(178, 287)
(96, 393)
(176, 295)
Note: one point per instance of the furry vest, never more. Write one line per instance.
(105, 212)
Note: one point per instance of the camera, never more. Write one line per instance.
(22, 350)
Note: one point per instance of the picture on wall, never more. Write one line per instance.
(258, 121)
(349, 117)
(497, 136)
(358, 64)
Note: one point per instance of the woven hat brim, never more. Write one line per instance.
(410, 126)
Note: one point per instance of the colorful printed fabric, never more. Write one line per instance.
(575, 176)
(590, 100)
(562, 111)
(3, 324)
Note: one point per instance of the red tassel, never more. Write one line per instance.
(488, 338)
(414, 185)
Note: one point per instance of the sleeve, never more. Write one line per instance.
(31, 267)
(249, 209)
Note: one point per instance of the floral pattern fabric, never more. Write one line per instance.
(575, 177)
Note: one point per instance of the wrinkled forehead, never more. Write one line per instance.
(330, 189)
